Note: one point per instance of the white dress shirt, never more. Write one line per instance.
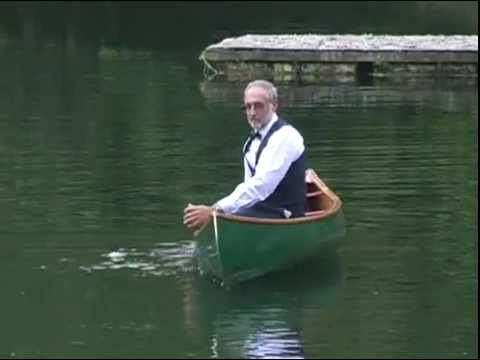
(284, 147)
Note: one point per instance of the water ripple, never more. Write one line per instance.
(166, 259)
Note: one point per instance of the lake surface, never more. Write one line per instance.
(103, 143)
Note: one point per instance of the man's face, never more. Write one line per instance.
(258, 107)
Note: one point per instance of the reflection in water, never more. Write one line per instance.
(263, 318)
(274, 343)
(451, 95)
(261, 334)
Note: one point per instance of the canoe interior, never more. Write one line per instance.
(321, 203)
(317, 200)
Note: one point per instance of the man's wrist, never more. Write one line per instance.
(217, 208)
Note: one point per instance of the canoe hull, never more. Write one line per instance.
(244, 251)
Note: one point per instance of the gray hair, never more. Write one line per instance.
(266, 85)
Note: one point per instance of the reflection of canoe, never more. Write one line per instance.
(275, 308)
(236, 248)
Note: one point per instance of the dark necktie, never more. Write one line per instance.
(254, 134)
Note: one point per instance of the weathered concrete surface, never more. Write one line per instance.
(343, 57)
(352, 42)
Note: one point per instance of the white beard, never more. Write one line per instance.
(257, 125)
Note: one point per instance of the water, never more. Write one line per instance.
(103, 144)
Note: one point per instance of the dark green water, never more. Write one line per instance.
(107, 130)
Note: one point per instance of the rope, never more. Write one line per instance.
(215, 227)
(207, 67)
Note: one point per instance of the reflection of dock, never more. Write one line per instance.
(312, 58)
(444, 96)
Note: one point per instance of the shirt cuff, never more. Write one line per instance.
(222, 206)
(216, 207)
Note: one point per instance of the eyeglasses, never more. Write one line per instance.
(257, 106)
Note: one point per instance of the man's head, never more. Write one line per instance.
(260, 102)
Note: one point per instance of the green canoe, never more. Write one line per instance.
(237, 248)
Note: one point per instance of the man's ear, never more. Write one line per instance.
(274, 106)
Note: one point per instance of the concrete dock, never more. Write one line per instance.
(314, 58)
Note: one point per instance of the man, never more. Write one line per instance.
(274, 162)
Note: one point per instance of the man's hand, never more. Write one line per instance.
(196, 217)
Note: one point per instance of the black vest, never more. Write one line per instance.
(290, 193)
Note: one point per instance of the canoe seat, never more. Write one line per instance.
(315, 193)
(314, 213)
